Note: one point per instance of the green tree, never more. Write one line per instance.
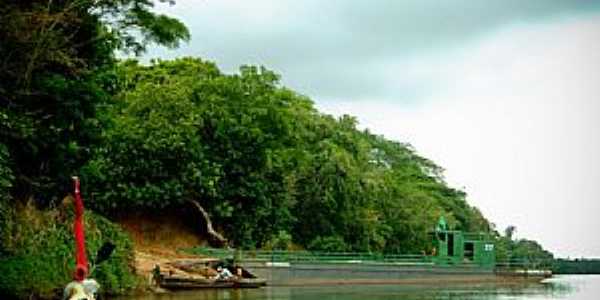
(262, 160)
(56, 58)
(51, 53)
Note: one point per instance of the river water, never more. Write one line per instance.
(568, 287)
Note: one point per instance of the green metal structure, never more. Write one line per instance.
(459, 248)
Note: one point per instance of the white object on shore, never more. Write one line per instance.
(224, 273)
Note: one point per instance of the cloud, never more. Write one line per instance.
(514, 122)
(340, 49)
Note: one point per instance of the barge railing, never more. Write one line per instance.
(284, 256)
(312, 256)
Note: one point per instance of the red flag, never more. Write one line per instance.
(81, 263)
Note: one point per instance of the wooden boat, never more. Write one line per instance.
(249, 282)
(196, 277)
(187, 283)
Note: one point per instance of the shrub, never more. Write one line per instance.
(281, 241)
(39, 255)
(328, 244)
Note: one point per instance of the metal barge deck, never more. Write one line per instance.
(288, 268)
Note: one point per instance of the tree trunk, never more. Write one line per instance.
(214, 235)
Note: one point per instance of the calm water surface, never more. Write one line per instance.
(559, 287)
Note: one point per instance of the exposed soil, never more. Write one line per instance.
(166, 231)
(159, 239)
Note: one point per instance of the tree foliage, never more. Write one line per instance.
(55, 62)
(521, 251)
(50, 55)
(264, 162)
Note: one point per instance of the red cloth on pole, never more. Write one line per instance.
(81, 263)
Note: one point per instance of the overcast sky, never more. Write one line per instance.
(503, 94)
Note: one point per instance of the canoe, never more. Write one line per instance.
(187, 283)
(249, 282)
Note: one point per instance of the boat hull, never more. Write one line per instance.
(185, 283)
(191, 283)
(320, 273)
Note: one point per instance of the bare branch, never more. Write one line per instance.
(209, 227)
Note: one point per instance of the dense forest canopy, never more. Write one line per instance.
(270, 170)
(52, 54)
(264, 162)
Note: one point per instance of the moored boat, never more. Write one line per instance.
(187, 283)
(199, 274)
(249, 282)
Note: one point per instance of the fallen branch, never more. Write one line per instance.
(209, 227)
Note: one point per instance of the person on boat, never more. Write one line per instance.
(224, 273)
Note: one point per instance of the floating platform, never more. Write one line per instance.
(455, 257)
(288, 268)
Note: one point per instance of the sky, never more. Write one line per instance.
(503, 94)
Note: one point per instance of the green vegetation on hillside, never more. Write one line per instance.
(264, 162)
(52, 54)
(511, 251)
(53, 57)
(38, 259)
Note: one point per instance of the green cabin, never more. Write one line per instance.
(455, 247)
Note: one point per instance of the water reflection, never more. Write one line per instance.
(560, 287)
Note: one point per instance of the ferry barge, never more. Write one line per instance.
(459, 257)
